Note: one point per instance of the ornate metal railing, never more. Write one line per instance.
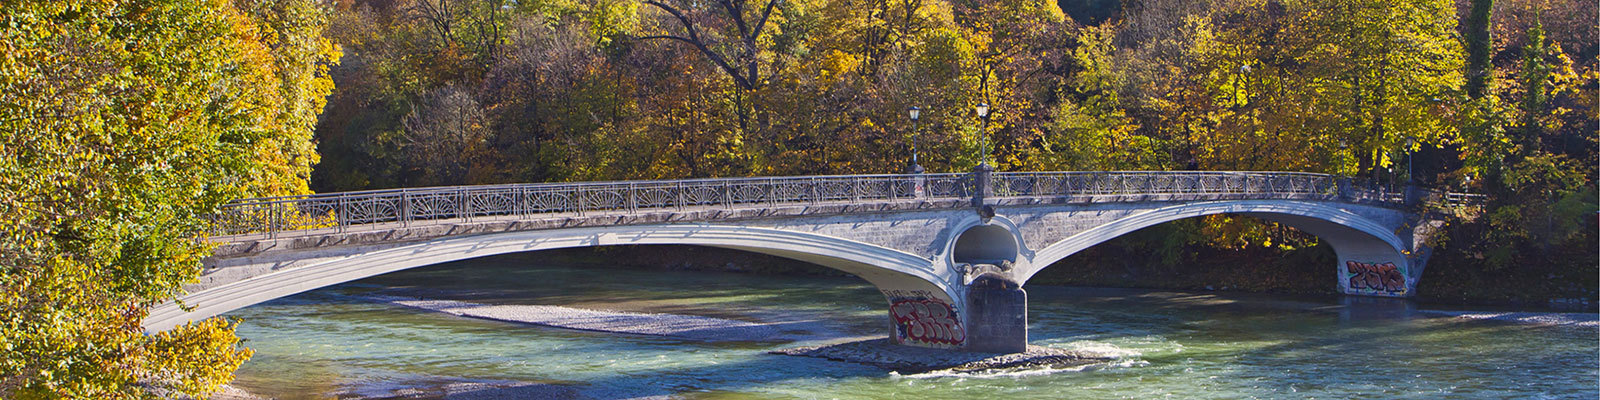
(342, 211)
(1458, 200)
(404, 206)
(1162, 183)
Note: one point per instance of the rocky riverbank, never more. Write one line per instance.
(911, 360)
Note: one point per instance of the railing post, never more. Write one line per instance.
(855, 190)
(461, 205)
(582, 199)
(405, 208)
(772, 193)
(679, 185)
(980, 181)
(519, 194)
(893, 188)
(344, 212)
(919, 186)
(633, 203)
(1411, 196)
(727, 195)
(814, 192)
(277, 218)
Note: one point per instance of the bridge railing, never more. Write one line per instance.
(379, 208)
(1163, 183)
(403, 206)
(1460, 200)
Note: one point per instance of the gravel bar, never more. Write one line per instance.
(671, 325)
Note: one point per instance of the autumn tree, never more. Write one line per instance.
(1013, 42)
(1479, 47)
(733, 34)
(122, 127)
(443, 136)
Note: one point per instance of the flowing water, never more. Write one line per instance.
(333, 342)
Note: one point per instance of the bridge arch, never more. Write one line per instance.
(889, 269)
(1358, 241)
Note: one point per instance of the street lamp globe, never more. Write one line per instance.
(916, 167)
(983, 133)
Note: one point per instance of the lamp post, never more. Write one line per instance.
(983, 170)
(1409, 142)
(916, 168)
(1344, 147)
(983, 131)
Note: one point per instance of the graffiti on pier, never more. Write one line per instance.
(921, 317)
(1383, 278)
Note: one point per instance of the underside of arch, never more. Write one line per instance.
(892, 271)
(1372, 259)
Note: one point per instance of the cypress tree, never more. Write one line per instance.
(1479, 47)
(1535, 79)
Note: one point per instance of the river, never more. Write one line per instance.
(334, 342)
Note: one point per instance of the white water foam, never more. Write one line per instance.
(1580, 320)
(1121, 358)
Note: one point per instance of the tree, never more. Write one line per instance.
(745, 44)
(1015, 43)
(1091, 131)
(122, 127)
(1535, 80)
(1479, 47)
(443, 137)
(292, 33)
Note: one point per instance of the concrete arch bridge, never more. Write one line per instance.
(950, 252)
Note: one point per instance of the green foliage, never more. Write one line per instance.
(1479, 46)
(122, 126)
(1091, 131)
(1535, 86)
(626, 89)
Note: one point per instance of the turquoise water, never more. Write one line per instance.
(330, 342)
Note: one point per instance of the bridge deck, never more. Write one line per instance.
(434, 228)
(699, 200)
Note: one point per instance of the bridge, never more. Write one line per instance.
(950, 252)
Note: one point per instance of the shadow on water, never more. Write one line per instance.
(1363, 309)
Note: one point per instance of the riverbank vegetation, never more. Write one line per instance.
(124, 123)
(122, 126)
(1492, 97)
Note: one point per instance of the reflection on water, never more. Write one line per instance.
(1182, 345)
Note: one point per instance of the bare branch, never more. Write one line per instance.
(694, 39)
(736, 11)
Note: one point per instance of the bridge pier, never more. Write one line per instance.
(997, 311)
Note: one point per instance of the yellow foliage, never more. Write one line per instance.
(123, 125)
(197, 357)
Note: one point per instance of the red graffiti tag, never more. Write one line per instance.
(1385, 277)
(927, 320)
